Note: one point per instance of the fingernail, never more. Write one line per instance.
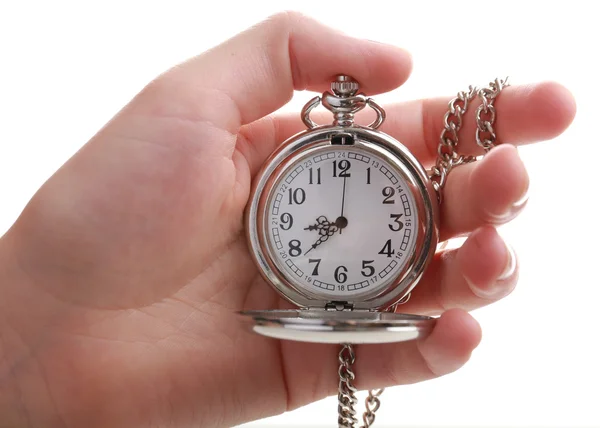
(511, 212)
(452, 243)
(520, 204)
(499, 288)
(511, 264)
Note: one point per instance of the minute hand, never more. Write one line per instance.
(341, 221)
(343, 197)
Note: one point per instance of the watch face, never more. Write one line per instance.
(341, 222)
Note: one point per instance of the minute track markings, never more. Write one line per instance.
(386, 270)
(277, 203)
(359, 157)
(388, 174)
(324, 156)
(310, 184)
(405, 239)
(294, 268)
(294, 174)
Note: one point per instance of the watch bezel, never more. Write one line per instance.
(364, 138)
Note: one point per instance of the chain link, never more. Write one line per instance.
(347, 393)
(485, 135)
(346, 390)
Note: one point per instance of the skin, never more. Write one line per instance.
(121, 278)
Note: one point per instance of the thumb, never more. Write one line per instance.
(154, 197)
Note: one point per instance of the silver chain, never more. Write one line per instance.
(346, 390)
(347, 393)
(485, 135)
(447, 159)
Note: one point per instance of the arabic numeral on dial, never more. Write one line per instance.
(367, 270)
(387, 249)
(369, 175)
(286, 220)
(296, 196)
(397, 223)
(295, 250)
(315, 271)
(388, 193)
(340, 274)
(343, 166)
(341, 288)
(310, 176)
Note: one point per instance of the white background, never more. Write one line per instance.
(66, 68)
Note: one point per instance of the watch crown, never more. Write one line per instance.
(344, 86)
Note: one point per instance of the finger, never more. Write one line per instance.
(483, 270)
(127, 210)
(250, 76)
(491, 191)
(259, 69)
(308, 368)
(525, 114)
(445, 350)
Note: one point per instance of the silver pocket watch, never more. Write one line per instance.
(343, 220)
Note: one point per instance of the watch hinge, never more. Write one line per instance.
(339, 306)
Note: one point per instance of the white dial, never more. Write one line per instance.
(341, 222)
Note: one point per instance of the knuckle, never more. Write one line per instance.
(283, 22)
(287, 17)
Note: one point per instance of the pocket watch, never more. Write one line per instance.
(343, 220)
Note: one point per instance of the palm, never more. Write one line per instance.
(186, 277)
(134, 261)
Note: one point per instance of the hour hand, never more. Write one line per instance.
(322, 224)
(319, 241)
(313, 246)
(325, 228)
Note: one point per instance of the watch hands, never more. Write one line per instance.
(325, 228)
(341, 222)
(321, 223)
(316, 244)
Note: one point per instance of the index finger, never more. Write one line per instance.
(526, 114)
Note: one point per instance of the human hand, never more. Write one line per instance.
(121, 278)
